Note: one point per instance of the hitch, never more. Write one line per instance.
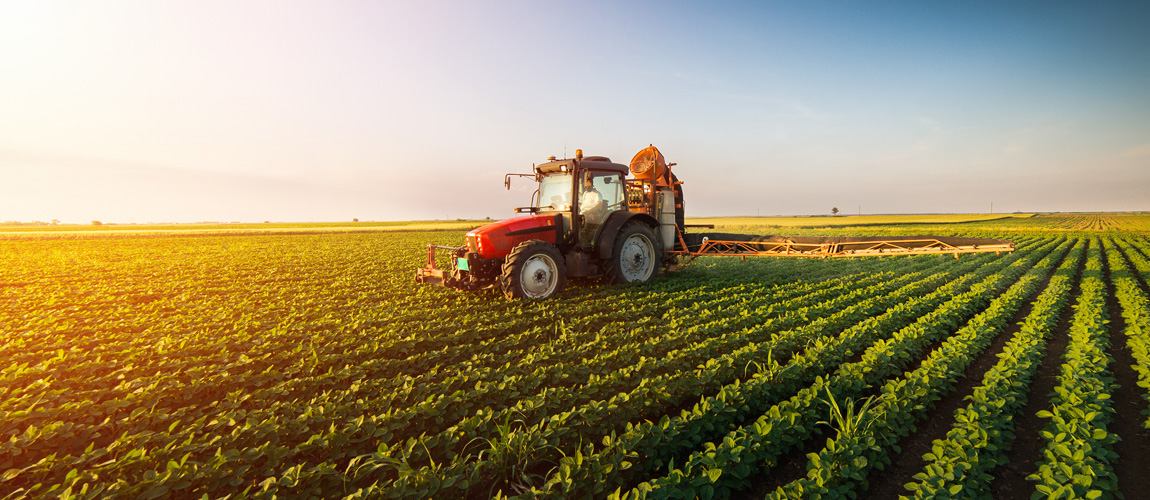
(432, 274)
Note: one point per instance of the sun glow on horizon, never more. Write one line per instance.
(190, 111)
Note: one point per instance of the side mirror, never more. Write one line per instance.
(507, 179)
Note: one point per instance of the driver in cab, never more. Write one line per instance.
(591, 201)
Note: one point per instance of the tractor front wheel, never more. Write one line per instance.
(533, 270)
(636, 256)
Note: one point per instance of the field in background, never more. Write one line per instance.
(307, 364)
(72, 230)
(883, 224)
(848, 220)
(946, 224)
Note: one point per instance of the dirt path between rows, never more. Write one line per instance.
(1133, 448)
(1026, 450)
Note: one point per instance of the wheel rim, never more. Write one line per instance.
(539, 276)
(637, 260)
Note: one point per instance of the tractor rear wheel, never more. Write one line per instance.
(533, 270)
(636, 256)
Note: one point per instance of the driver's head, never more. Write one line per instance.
(587, 180)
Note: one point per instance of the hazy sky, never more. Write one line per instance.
(319, 111)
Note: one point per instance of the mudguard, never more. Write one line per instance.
(606, 241)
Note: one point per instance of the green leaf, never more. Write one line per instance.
(714, 474)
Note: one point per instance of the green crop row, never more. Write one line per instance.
(1079, 449)
(1136, 311)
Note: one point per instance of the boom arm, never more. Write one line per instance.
(719, 244)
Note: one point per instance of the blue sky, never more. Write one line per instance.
(315, 111)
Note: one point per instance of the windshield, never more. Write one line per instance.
(555, 193)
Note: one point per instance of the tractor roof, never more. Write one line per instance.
(596, 162)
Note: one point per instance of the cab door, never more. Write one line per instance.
(600, 192)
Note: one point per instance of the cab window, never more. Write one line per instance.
(555, 193)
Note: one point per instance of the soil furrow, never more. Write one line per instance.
(1026, 450)
(1133, 447)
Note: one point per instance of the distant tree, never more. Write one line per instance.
(355, 219)
(55, 222)
(97, 223)
(835, 211)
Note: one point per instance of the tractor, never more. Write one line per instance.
(587, 219)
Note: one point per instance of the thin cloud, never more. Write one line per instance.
(1142, 151)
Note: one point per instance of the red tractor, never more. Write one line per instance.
(587, 219)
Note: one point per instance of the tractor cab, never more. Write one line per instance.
(583, 192)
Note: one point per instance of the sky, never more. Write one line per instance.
(174, 111)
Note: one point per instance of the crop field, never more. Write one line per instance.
(308, 364)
